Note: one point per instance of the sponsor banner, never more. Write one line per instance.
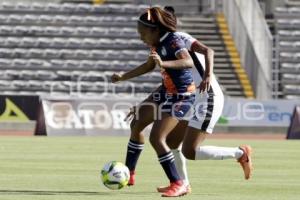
(106, 116)
(255, 113)
(87, 116)
(18, 108)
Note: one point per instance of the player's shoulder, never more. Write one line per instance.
(183, 35)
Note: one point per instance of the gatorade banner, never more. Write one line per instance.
(18, 108)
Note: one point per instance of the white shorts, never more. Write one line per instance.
(207, 111)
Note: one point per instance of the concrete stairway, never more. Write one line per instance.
(206, 30)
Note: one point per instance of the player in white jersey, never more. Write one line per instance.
(208, 108)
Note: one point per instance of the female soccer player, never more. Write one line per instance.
(176, 96)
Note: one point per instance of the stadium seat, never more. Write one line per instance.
(87, 64)
(20, 84)
(30, 19)
(102, 64)
(290, 68)
(29, 42)
(291, 89)
(92, 20)
(6, 30)
(52, 7)
(44, 42)
(51, 53)
(45, 19)
(50, 30)
(64, 75)
(99, 54)
(36, 6)
(101, 9)
(19, 63)
(6, 53)
(68, 7)
(5, 63)
(71, 64)
(34, 30)
(7, 6)
(11, 74)
(28, 75)
(97, 31)
(60, 19)
(22, 6)
(15, 19)
(75, 20)
(37, 63)
(46, 75)
(82, 31)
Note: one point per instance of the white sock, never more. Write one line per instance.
(217, 153)
(180, 163)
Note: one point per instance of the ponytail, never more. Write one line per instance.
(156, 17)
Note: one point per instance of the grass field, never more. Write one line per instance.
(33, 168)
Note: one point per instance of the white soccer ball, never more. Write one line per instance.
(115, 175)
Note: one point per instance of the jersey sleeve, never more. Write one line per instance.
(177, 45)
(187, 39)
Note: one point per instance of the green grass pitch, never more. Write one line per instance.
(63, 168)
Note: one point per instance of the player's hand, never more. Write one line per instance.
(116, 78)
(131, 114)
(205, 84)
(156, 58)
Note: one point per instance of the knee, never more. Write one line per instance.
(188, 152)
(156, 142)
(172, 144)
(136, 126)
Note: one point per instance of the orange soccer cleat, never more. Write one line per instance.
(246, 161)
(131, 181)
(163, 189)
(176, 189)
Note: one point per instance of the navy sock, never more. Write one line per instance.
(134, 150)
(167, 162)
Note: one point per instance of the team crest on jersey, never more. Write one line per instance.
(163, 51)
(174, 44)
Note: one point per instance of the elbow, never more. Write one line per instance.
(190, 63)
(210, 51)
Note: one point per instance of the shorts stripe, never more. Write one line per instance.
(209, 112)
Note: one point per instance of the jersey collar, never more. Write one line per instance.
(164, 36)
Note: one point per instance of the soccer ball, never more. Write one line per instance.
(115, 175)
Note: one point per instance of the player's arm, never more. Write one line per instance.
(183, 61)
(208, 53)
(140, 70)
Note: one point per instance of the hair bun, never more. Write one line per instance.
(169, 9)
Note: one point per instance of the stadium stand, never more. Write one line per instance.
(287, 25)
(45, 47)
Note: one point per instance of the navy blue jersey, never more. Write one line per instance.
(175, 81)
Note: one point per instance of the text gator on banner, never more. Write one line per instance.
(18, 108)
(87, 116)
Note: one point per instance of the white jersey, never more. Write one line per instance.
(199, 61)
(207, 107)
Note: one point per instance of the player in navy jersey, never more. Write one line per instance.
(176, 96)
